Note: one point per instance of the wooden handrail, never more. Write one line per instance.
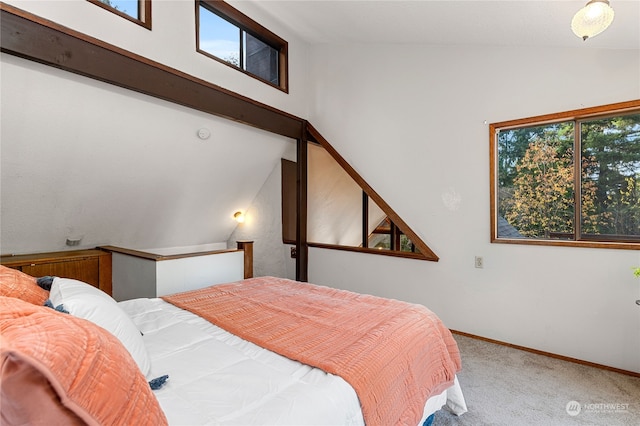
(243, 245)
(161, 257)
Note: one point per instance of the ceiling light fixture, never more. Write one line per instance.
(592, 19)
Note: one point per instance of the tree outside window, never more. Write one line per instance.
(128, 7)
(611, 172)
(572, 180)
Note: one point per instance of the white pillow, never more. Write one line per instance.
(85, 301)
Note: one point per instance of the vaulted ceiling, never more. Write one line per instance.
(472, 22)
(95, 162)
(72, 161)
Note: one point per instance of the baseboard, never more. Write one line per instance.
(549, 354)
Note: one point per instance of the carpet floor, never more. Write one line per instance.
(507, 386)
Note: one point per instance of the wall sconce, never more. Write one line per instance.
(592, 19)
(239, 217)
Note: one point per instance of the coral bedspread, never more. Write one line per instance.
(394, 354)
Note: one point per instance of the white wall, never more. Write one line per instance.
(263, 226)
(172, 42)
(84, 159)
(422, 110)
(81, 158)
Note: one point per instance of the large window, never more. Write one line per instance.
(138, 11)
(228, 36)
(568, 179)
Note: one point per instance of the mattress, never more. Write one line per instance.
(216, 377)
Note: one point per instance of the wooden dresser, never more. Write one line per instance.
(91, 266)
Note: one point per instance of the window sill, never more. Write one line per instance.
(403, 254)
(586, 244)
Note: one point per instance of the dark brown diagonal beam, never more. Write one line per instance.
(31, 37)
(425, 251)
(302, 247)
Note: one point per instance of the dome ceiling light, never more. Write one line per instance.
(592, 19)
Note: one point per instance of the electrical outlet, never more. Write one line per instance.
(479, 262)
(294, 253)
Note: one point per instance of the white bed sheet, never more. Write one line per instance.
(216, 377)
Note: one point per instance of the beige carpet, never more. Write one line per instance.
(506, 386)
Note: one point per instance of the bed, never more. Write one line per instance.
(88, 359)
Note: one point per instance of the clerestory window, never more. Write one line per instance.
(571, 178)
(138, 11)
(230, 37)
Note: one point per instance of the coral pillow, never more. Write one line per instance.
(66, 370)
(14, 283)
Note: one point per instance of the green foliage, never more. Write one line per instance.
(233, 59)
(405, 243)
(536, 178)
(513, 144)
(543, 191)
(108, 3)
(614, 145)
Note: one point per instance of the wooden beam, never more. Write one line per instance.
(420, 245)
(365, 220)
(302, 248)
(37, 39)
(247, 246)
(34, 38)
